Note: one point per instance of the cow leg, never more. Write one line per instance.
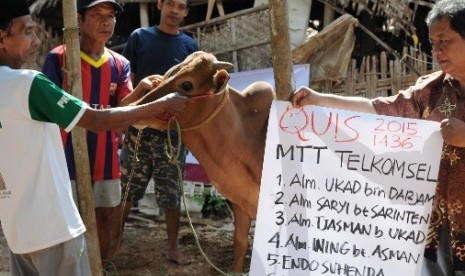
(241, 237)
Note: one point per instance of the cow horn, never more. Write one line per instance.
(217, 65)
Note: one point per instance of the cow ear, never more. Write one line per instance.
(220, 80)
(218, 65)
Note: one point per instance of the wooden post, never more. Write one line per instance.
(81, 157)
(144, 14)
(281, 49)
(219, 5)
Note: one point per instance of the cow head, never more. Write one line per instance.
(200, 76)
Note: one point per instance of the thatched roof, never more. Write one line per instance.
(40, 6)
(393, 19)
(399, 14)
(49, 12)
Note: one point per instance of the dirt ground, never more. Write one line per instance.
(144, 239)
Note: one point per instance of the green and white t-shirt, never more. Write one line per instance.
(36, 204)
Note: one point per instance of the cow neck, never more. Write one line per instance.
(215, 111)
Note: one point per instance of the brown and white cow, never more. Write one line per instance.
(225, 130)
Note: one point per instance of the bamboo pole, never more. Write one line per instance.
(281, 49)
(144, 14)
(83, 180)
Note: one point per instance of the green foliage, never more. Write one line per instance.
(216, 206)
(199, 199)
(216, 203)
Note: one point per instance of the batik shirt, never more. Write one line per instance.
(36, 204)
(436, 97)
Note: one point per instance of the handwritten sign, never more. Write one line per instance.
(344, 193)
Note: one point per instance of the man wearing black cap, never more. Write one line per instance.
(40, 221)
(82, 5)
(105, 81)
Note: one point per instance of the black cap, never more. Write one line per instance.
(10, 9)
(85, 4)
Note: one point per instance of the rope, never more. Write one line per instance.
(209, 117)
(170, 151)
(135, 159)
(172, 157)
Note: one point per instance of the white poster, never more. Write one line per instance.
(344, 193)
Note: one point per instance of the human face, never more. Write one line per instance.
(447, 47)
(173, 13)
(19, 45)
(98, 23)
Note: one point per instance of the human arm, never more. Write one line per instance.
(146, 84)
(97, 120)
(306, 96)
(49, 103)
(453, 131)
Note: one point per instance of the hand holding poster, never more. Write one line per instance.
(344, 193)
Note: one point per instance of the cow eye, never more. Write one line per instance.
(187, 86)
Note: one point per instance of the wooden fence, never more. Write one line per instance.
(379, 76)
(242, 38)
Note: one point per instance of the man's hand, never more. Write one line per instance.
(302, 96)
(453, 132)
(173, 104)
(146, 84)
(149, 83)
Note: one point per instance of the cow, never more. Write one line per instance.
(224, 129)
